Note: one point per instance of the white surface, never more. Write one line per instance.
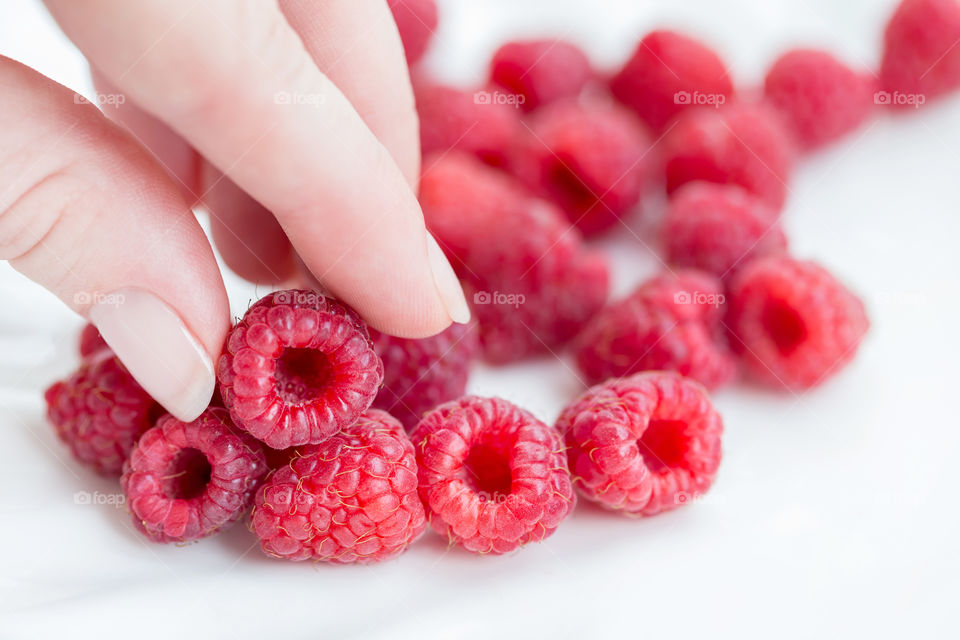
(834, 512)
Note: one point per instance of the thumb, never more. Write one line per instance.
(90, 215)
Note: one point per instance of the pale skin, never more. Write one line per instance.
(292, 122)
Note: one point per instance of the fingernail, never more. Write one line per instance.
(157, 348)
(448, 285)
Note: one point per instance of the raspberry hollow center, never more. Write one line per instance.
(189, 475)
(784, 326)
(302, 375)
(569, 189)
(664, 444)
(488, 471)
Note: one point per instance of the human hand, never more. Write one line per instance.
(294, 125)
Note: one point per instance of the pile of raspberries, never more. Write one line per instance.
(338, 443)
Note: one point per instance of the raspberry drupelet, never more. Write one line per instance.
(671, 322)
(590, 159)
(719, 228)
(793, 323)
(297, 368)
(668, 74)
(492, 477)
(352, 499)
(644, 444)
(188, 480)
(420, 374)
(542, 71)
(100, 411)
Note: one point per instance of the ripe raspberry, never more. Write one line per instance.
(542, 71)
(644, 444)
(743, 143)
(669, 73)
(418, 375)
(416, 20)
(100, 411)
(186, 481)
(719, 228)
(793, 323)
(921, 59)
(466, 120)
(532, 281)
(91, 342)
(671, 322)
(589, 159)
(492, 476)
(820, 98)
(351, 499)
(298, 368)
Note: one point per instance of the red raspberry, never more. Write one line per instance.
(416, 20)
(669, 73)
(420, 374)
(186, 481)
(921, 59)
(91, 342)
(589, 159)
(743, 143)
(492, 476)
(470, 121)
(100, 411)
(718, 228)
(644, 444)
(793, 323)
(542, 71)
(671, 322)
(532, 281)
(298, 368)
(820, 98)
(351, 499)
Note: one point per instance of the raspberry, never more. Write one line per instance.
(718, 228)
(100, 411)
(921, 59)
(669, 73)
(298, 368)
(542, 71)
(671, 322)
(351, 499)
(91, 342)
(644, 444)
(743, 143)
(416, 20)
(589, 159)
(418, 375)
(820, 98)
(188, 480)
(792, 322)
(492, 476)
(532, 281)
(469, 121)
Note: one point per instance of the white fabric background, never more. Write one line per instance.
(834, 512)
